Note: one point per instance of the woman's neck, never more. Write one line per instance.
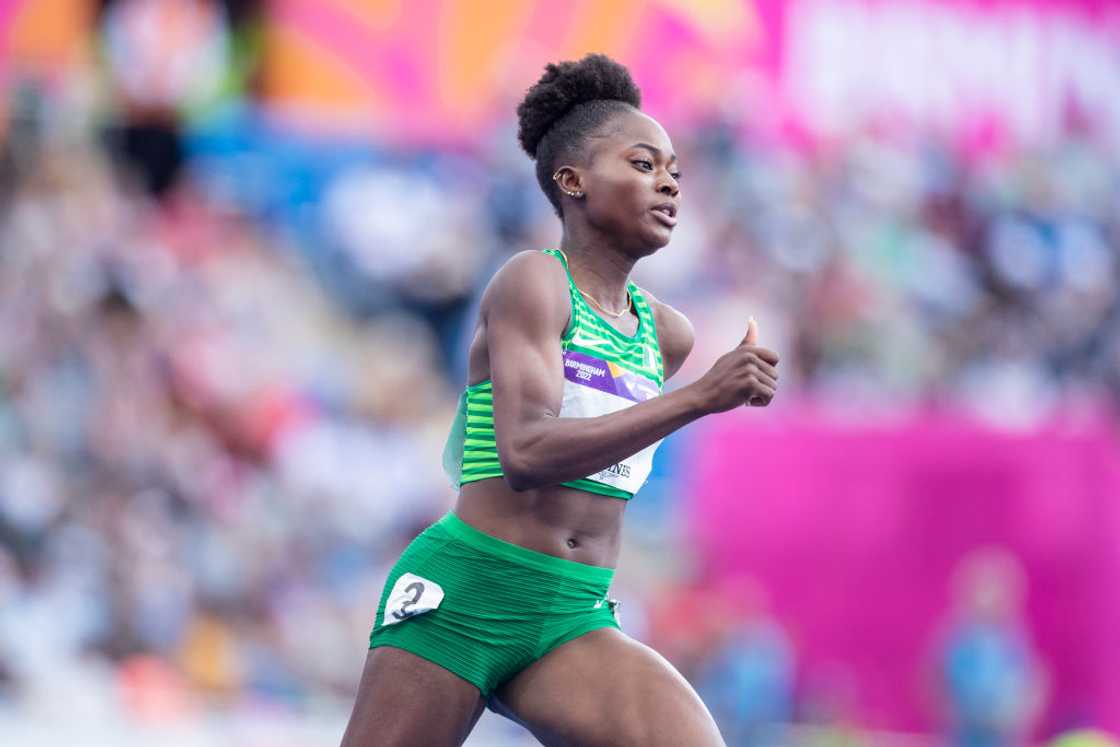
(599, 269)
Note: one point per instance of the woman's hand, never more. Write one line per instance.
(745, 376)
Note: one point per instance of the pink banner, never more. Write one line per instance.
(856, 532)
(987, 72)
(445, 69)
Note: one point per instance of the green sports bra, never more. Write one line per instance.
(604, 371)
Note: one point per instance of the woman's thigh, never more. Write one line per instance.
(605, 688)
(409, 701)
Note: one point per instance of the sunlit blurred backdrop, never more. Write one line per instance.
(241, 244)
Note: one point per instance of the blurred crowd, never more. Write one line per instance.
(192, 433)
(223, 395)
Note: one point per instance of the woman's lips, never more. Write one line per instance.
(664, 217)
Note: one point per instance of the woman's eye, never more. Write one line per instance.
(676, 176)
(644, 164)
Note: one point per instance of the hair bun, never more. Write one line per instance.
(566, 85)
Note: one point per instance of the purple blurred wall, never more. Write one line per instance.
(855, 532)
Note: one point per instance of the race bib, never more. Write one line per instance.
(411, 596)
(593, 387)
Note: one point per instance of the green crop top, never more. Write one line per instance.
(604, 371)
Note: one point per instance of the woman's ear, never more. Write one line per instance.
(567, 178)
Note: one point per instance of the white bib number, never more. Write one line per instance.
(411, 596)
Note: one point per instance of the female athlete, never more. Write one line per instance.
(504, 602)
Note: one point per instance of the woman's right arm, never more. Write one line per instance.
(525, 310)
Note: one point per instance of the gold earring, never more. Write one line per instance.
(556, 178)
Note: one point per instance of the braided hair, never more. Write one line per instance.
(570, 102)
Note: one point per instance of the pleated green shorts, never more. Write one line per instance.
(483, 608)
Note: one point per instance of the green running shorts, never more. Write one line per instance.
(484, 608)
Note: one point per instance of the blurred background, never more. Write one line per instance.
(241, 245)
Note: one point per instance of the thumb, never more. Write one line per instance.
(752, 333)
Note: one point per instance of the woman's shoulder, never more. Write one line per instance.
(675, 332)
(528, 280)
(529, 265)
(668, 318)
(528, 271)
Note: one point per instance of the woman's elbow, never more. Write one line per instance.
(517, 482)
(518, 479)
(518, 472)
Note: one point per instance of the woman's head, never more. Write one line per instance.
(599, 158)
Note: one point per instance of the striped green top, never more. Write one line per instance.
(605, 371)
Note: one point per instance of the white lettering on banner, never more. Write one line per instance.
(584, 370)
(622, 469)
(941, 66)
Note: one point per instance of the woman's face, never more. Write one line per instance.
(630, 184)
